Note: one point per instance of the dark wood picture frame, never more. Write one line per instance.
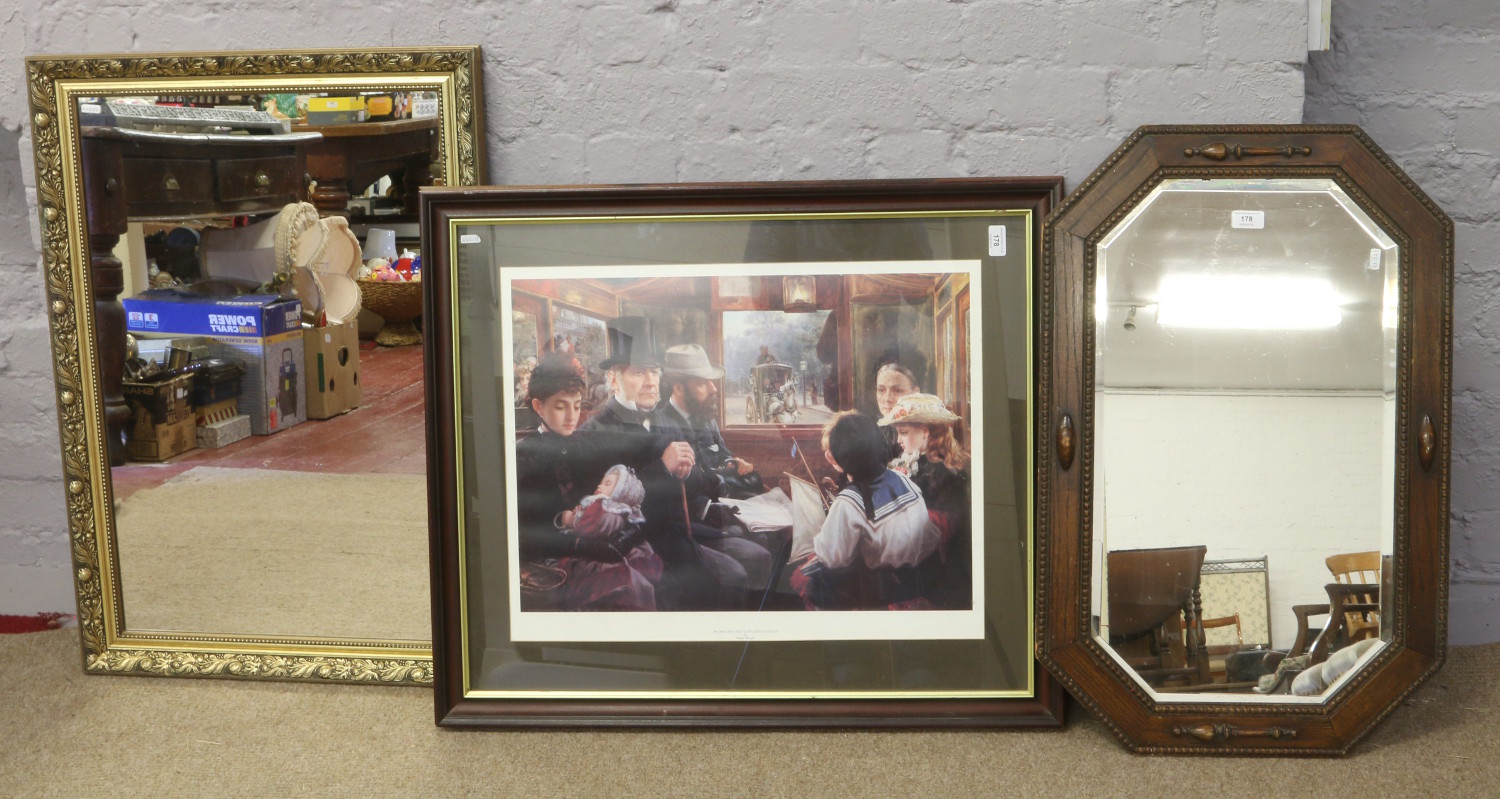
(1039, 704)
(1417, 594)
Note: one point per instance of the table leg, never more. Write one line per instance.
(109, 339)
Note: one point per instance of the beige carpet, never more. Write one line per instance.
(256, 551)
(66, 734)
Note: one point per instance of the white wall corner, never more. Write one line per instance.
(1318, 14)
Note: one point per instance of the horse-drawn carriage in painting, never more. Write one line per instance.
(772, 394)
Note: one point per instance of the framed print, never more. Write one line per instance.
(728, 454)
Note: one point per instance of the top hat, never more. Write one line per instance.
(631, 343)
(690, 360)
(919, 409)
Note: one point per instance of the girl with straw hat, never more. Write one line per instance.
(939, 467)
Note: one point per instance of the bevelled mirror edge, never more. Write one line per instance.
(53, 82)
(1065, 384)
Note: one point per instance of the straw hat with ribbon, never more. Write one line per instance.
(919, 409)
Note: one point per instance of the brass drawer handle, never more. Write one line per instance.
(169, 183)
(262, 180)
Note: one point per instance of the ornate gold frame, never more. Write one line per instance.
(53, 82)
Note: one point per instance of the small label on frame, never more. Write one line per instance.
(1247, 220)
(1375, 257)
(997, 240)
(469, 238)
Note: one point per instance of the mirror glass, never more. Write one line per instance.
(303, 511)
(1245, 411)
(246, 469)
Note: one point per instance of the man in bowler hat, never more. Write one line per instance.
(689, 414)
(691, 404)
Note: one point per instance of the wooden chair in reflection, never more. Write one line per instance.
(1363, 569)
(1156, 613)
(1353, 612)
(1217, 654)
(1353, 607)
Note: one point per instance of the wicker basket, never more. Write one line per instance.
(399, 304)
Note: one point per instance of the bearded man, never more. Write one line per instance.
(690, 383)
(690, 415)
(690, 549)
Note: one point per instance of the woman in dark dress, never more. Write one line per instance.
(556, 467)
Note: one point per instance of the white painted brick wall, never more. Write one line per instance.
(34, 560)
(1423, 78)
(671, 90)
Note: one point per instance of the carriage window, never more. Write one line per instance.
(776, 366)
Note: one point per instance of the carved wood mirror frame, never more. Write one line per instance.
(1066, 425)
(54, 84)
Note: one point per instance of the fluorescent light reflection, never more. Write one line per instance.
(1236, 302)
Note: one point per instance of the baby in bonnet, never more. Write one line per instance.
(613, 505)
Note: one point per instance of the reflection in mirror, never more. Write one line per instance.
(214, 204)
(273, 478)
(1245, 423)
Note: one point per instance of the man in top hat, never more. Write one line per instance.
(695, 577)
(633, 373)
(689, 382)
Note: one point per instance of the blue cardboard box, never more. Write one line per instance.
(264, 331)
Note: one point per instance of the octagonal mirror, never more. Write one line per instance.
(1247, 385)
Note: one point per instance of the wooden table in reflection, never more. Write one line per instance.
(131, 175)
(1154, 601)
(351, 157)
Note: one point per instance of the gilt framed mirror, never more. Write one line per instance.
(1243, 406)
(296, 553)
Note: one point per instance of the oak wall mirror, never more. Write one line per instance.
(1245, 378)
(298, 554)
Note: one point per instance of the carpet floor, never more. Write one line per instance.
(255, 551)
(67, 734)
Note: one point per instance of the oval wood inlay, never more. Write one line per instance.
(1065, 442)
(1428, 442)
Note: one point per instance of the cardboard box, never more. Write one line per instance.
(161, 442)
(263, 331)
(332, 354)
(163, 423)
(335, 103)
